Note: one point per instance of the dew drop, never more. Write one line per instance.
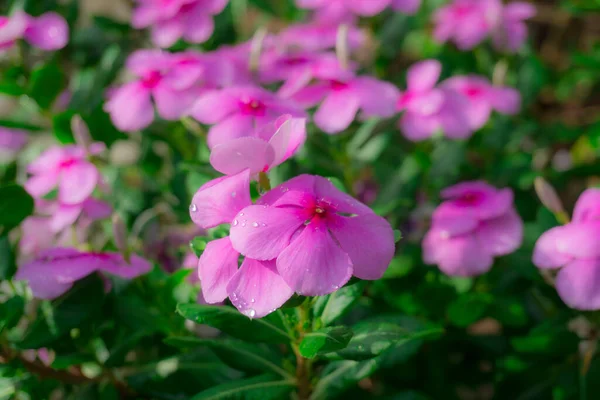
(235, 222)
(193, 207)
(252, 300)
(243, 223)
(255, 224)
(233, 194)
(263, 224)
(335, 287)
(241, 214)
(249, 312)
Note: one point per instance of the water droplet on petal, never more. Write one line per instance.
(335, 287)
(241, 214)
(249, 312)
(263, 224)
(233, 194)
(255, 224)
(243, 223)
(193, 207)
(252, 300)
(235, 222)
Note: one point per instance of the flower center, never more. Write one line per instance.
(470, 199)
(473, 91)
(253, 107)
(338, 85)
(152, 79)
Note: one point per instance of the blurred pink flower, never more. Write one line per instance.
(55, 270)
(315, 236)
(171, 20)
(172, 81)
(475, 223)
(406, 6)
(469, 22)
(261, 151)
(66, 168)
(319, 35)
(47, 32)
(574, 249)
(428, 109)
(240, 111)
(12, 140)
(342, 95)
(343, 10)
(483, 98)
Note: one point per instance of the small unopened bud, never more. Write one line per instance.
(499, 74)
(120, 235)
(81, 133)
(256, 47)
(342, 46)
(548, 196)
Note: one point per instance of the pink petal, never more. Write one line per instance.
(214, 106)
(77, 182)
(173, 104)
(146, 61)
(423, 75)
(217, 265)
(115, 264)
(501, 235)
(453, 224)
(218, 201)
(96, 209)
(367, 8)
(64, 216)
(417, 127)
(232, 127)
(588, 206)
(166, 33)
(546, 253)
(519, 10)
(48, 32)
(578, 284)
(40, 185)
(377, 98)
(456, 256)
(506, 100)
(406, 6)
(290, 136)
(580, 240)
(337, 111)
(144, 16)
(243, 153)
(12, 28)
(257, 289)
(262, 232)
(130, 107)
(313, 264)
(368, 240)
(342, 202)
(199, 27)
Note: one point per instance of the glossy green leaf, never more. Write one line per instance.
(325, 340)
(15, 205)
(264, 387)
(331, 307)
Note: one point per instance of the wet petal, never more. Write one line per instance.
(337, 111)
(239, 154)
(217, 265)
(578, 284)
(77, 182)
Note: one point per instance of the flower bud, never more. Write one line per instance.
(548, 196)
(81, 133)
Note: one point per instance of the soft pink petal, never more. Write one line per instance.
(337, 111)
(243, 153)
(217, 265)
(198, 28)
(423, 75)
(368, 240)
(262, 232)
(580, 240)
(506, 100)
(311, 95)
(587, 207)
(546, 253)
(40, 185)
(173, 104)
(257, 289)
(96, 209)
(501, 235)
(12, 28)
(64, 216)
(48, 32)
(214, 106)
(144, 15)
(166, 33)
(367, 8)
(115, 264)
(77, 182)
(342, 202)
(406, 6)
(519, 10)
(218, 201)
(454, 224)
(290, 136)
(313, 264)
(232, 127)
(130, 107)
(578, 284)
(456, 256)
(416, 127)
(377, 98)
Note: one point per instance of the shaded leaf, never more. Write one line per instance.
(325, 340)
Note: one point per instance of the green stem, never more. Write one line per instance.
(303, 365)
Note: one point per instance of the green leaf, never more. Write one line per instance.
(264, 387)
(373, 338)
(325, 340)
(469, 308)
(237, 354)
(15, 205)
(11, 311)
(198, 244)
(232, 322)
(83, 302)
(7, 259)
(333, 306)
(46, 83)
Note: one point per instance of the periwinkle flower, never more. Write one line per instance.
(171, 20)
(47, 32)
(54, 271)
(483, 97)
(317, 35)
(475, 223)
(428, 108)
(261, 151)
(341, 10)
(11, 141)
(574, 249)
(66, 168)
(511, 32)
(239, 111)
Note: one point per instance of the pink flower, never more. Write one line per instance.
(483, 98)
(47, 32)
(319, 35)
(172, 81)
(574, 249)
(406, 6)
(511, 32)
(66, 168)
(171, 20)
(469, 22)
(239, 111)
(55, 271)
(428, 109)
(316, 236)
(12, 140)
(342, 95)
(343, 10)
(476, 223)
(277, 65)
(270, 147)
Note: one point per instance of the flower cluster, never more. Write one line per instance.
(47, 32)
